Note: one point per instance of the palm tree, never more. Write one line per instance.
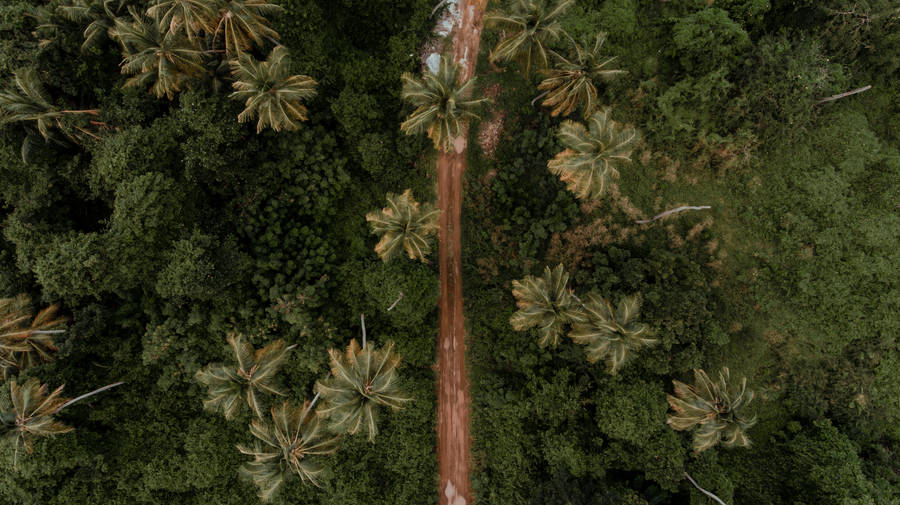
(101, 15)
(270, 92)
(191, 16)
(442, 104)
(31, 414)
(167, 60)
(254, 372)
(28, 102)
(26, 341)
(289, 446)
(360, 380)
(718, 412)
(571, 83)
(403, 223)
(242, 23)
(611, 334)
(545, 302)
(528, 27)
(592, 154)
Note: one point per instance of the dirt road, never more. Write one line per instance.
(453, 386)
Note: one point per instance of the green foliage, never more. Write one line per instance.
(403, 223)
(709, 39)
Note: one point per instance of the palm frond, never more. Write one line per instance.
(571, 84)
(30, 414)
(547, 303)
(404, 225)
(443, 106)
(26, 339)
(361, 380)
(242, 23)
(191, 17)
(270, 92)
(593, 154)
(717, 412)
(528, 27)
(611, 335)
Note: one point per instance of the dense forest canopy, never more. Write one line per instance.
(159, 206)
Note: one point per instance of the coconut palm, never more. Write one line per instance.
(254, 373)
(31, 414)
(361, 380)
(270, 92)
(26, 339)
(405, 224)
(28, 102)
(611, 334)
(442, 105)
(571, 83)
(592, 154)
(289, 446)
(719, 413)
(547, 303)
(99, 14)
(166, 60)
(190, 16)
(242, 23)
(528, 27)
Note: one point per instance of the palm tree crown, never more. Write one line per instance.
(28, 102)
(191, 16)
(254, 372)
(361, 380)
(710, 405)
(571, 83)
(242, 23)
(442, 104)
(26, 341)
(611, 334)
(529, 26)
(166, 60)
(289, 446)
(592, 154)
(404, 223)
(31, 414)
(545, 302)
(100, 14)
(270, 92)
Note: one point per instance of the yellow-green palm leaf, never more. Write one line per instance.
(242, 23)
(443, 106)
(255, 372)
(547, 303)
(270, 92)
(529, 26)
(289, 446)
(404, 225)
(611, 334)
(28, 101)
(719, 413)
(571, 83)
(193, 17)
(26, 339)
(593, 154)
(166, 61)
(31, 414)
(361, 380)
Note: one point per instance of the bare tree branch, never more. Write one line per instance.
(673, 211)
(842, 95)
(395, 302)
(92, 393)
(707, 493)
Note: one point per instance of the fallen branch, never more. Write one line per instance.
(842, 95)
(707, 493)
(673, 211)
(82, 397)
(542, 95)
(395, 302)
(362, 320)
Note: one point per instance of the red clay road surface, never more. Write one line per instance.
(453, 439)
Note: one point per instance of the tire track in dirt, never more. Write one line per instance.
(454, 440)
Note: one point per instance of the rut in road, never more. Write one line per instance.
(453, 439)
